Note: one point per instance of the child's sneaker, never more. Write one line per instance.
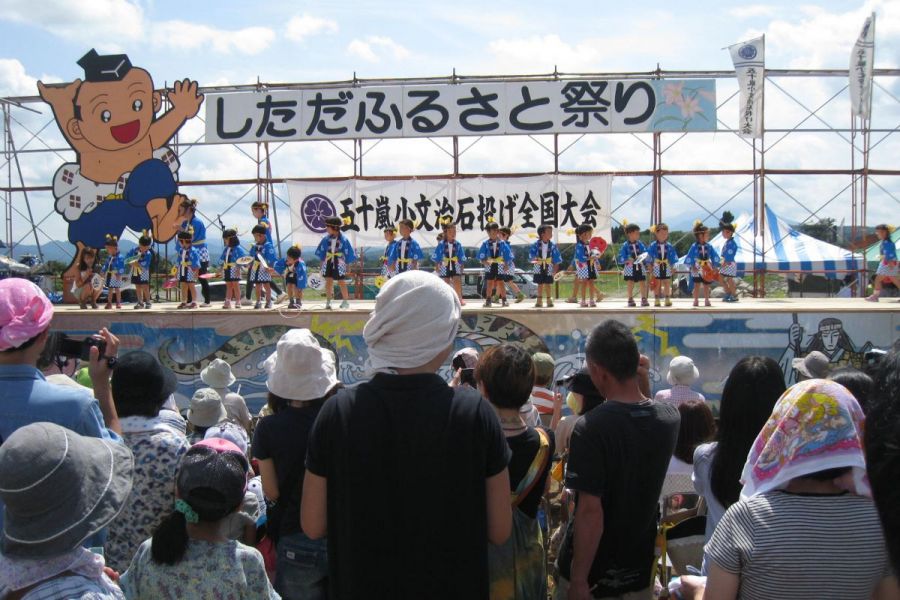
(138, 305)
(668, 301)
(696, 303)
(519, 297)
(147, 305)
(258, 305)
(268, 304)
(707, 303)
(572, 300)
(592, 304)
(549, 302)
(191, 305)
(645, 302)
(872, 298)
(181, 306)
(345, 304)
(487, 303)
(227, 304)
(503, 302)
(328, 305)
(631, 302)
(657, 303)
(109, 306)
(583, 304)
(539, 303)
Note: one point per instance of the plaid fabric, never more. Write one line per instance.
(679, 394)
(728, 269)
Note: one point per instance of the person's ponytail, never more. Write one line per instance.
(170, 540)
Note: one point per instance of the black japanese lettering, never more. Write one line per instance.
(466, 216)
(568, 205)
(382, 213)
(583, 99)
(549, 208)
(589, 209)
(507, 210)
(220, 123)
(423, 206)
(332, 107)
(283, 109)
(347, 203)
(422, 123)
(364, 209)
(527, 104)
(482, 107)
(404, 211)
(487, 207)
(624, 95)
(384, 118)
(527, 210)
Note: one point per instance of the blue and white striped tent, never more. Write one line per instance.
(786, 249)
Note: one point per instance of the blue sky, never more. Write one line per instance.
(227, 42)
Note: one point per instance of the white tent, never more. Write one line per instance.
(782, 248)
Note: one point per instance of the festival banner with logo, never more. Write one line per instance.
(861, 70)
(749, 60)
(470, 109)
(521, 203)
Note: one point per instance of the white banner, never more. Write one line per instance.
(471, 109)
(749, 60)
(521, 203)
(861, 70)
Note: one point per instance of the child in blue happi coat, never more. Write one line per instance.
(231, 271)
(494, 254)
(140, 269)
(729, 266)
(887, 267)
(449, 257)
(387, 269)
(262, 267)
(701, 257)
(335, 252)
(293, 269)
(113, 270)
(586, 261)
(188, 268)
(633, 270)
(196, 226)
(406, 253)
(545, 257)
(661, 257)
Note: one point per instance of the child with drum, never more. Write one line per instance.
(703, 260)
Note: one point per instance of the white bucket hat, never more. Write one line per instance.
(217, 374)
(300, 369)
(206, 408)
(682, 371)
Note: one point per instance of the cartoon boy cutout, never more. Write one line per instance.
(125, 175)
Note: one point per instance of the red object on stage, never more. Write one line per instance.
(598, 244)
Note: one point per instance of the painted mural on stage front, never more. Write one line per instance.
(188, 342)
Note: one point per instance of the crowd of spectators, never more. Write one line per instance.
(406, 487)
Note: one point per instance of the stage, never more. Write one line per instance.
(715, 337)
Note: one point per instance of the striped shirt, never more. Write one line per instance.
(786, 545)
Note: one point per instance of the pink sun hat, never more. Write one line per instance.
(25, 311)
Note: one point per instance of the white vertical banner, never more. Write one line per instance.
(749, 60)
(861, 60)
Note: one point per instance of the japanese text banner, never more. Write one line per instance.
(749, 60)
(861, 70)
(537, 107)
(521, 203)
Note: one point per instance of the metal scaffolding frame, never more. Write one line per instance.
(858, 136)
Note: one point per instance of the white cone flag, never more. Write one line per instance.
(861, 70)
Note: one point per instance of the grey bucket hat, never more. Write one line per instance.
(59, 488)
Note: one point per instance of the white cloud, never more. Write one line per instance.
(88, 22)
(374, 48)
(303, 26)
(752, 10)
(190, 36)
(14, 81)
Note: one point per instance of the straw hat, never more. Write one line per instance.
(217, 374)
(300, 369)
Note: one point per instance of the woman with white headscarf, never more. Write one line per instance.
(806, 526)
(406, 475)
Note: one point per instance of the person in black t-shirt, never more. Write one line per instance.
(618, 459)
(406, 475)
(518, 568)
(301, 375)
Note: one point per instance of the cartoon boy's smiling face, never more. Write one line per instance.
(112, 115)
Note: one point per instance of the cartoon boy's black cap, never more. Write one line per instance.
(108, 67)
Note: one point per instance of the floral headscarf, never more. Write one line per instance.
(815, 425)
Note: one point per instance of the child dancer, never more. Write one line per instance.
(887, 266)
(662, 255)
(189, 212)
(188, 266)
(449, 258)
(585, 265)
(86, 271)
(190, 549)
(509, 274)
(633, 271)
(406, 254)
(262, 267)
(114, 268)
(231, 271)
(700, 255)
(387, 269)
(545, 257)
(140, 269)
(294, 271)
(335, 252)
(729, 266)
(493, 254)
(260, 211)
